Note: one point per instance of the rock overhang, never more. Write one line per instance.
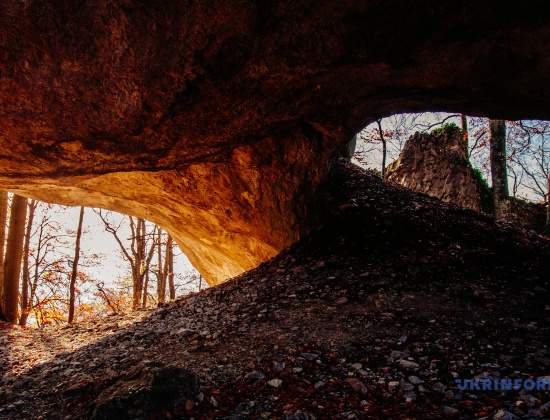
(218, 122)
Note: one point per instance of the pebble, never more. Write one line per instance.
(275, 383)
(393, 385)
(254, 377)
(410, 396)
(504, 415)
(439, 387)
(415, 380)
(450, 411)
(357, 385)
(309, 356)
(407, 364)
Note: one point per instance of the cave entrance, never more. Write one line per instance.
(90, 262)
(448, 156)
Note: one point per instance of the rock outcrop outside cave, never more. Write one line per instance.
(437, 164)
(218, 123)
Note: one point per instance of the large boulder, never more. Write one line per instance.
(437, 164)
(218, 120)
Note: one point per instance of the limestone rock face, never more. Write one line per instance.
(217, 120)
(227, 216)
(436, 164)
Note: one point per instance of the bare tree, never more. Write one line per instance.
(161, 272)
(136, 254)
(74, 271)
(170, 266)
(465, 134)
(25, 306)
(384, 147)
(499, 173)
(14, 253)
(384, 139)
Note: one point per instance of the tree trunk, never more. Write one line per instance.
(169, 272)
(3, 225)
(138, 269)
(548, 205)
(75, 266)
(498, 169)
(145, 287)
(384, 147)
(465, 138)
(12, 263)
(136, 290)
(25, 306)
(150, 254)
(161, 284)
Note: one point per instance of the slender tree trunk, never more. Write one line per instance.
(548, 204)
(150, 254)
(384, 147)
(169, 272)
(75, 267)
(138, 268)
(145, 287)
(465, 138)
(25, 304)
(498, 169)
(12, 264)
(3, 226)
(161, 284)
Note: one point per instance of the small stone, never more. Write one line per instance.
(310, 356)
(185, 332)
(439, 387)
(254, 377)
(357, 366)
(408, 364)
(504, 415)
(275, 383)
(357, 385)
(393, 385)
(545, 408)
(342, 300)
(278, 367)
(407, 386)
(450, 411)
(410, 396)
(299, 415)
(415, 380)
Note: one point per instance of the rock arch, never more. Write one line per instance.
(218, 120)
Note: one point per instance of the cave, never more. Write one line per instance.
(220, 123)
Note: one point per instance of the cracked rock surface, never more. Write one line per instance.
(217, 120)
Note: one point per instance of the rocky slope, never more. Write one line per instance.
(373, 315)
